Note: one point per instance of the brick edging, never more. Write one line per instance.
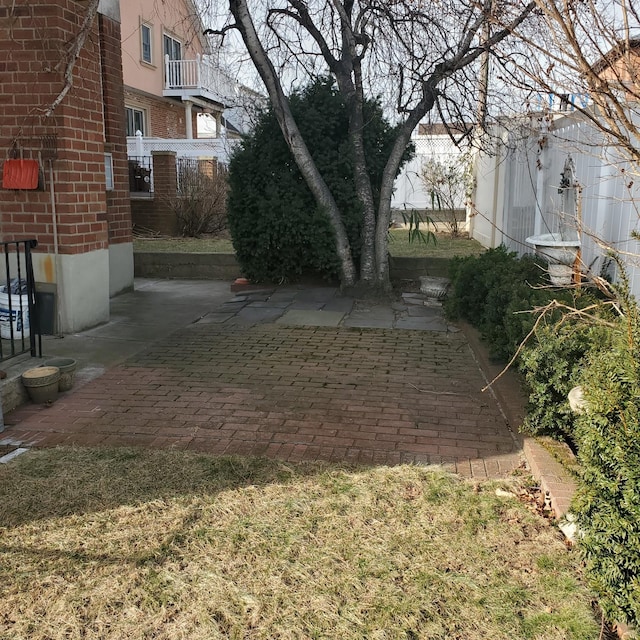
(555, 481)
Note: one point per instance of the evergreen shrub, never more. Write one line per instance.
(607, 503)
(602, 354)
(552, 363)
(278, 231)
(496, 292)
(489, 290)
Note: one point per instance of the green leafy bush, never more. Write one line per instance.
(607, 503)
(497, 293)
(490, 289)
(552, 364)
(278, 231)
(602, 354)
(470, 276)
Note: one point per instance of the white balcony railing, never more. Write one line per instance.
(218, 148)
(200, 78)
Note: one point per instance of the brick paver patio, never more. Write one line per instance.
(373, 396)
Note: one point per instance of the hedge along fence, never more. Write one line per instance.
(601, 352)
(607, 503)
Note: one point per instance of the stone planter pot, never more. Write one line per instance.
(433, 287)
(561, 275)
(67, 368)
(41, 384)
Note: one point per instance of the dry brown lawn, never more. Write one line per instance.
(168, 545)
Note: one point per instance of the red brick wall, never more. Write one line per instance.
(157, 214)
(32, 34)
(166, 117)
(118, 203)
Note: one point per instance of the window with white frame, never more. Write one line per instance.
(172, 49)
(145, 43)
(135, 121)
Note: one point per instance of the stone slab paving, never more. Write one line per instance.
(371, 396)
(326, 306)
(321, 318)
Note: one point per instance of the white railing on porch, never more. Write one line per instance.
(218, 148)
(199, 77)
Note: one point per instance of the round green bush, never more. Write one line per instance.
(278, 231)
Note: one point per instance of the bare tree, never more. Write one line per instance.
(586, 56)
(422, 57)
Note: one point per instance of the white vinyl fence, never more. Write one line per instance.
(519, 194)
(410, 192)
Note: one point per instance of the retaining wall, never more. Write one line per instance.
(222, 266)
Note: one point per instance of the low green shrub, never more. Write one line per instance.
(552, 363)
(470, 278)
(599, 351)
(497, 292)
(607, 503)
(490, 289)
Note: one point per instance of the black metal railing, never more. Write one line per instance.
(19, 322)
(140, 174)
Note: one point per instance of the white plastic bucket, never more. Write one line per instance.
(18, 316)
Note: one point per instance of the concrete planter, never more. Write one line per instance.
(67, 368)
(434, 287)
(41, 384)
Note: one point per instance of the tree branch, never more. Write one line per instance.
(73, 54)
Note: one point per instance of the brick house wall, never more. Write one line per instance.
(88, 123)
(31, 36)
(156, 213)
(118, 204)
(165, 117)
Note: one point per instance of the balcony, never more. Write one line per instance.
(198, 78)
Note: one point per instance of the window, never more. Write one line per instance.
(108, 171)
(135, 121)
(172, 48)
(145, 42)
(173, 72)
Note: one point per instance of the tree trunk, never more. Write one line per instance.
(348, 72)
(386, 187)
(294, 139)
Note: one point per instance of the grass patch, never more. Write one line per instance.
(446, 246)
(164, 544)
(183, 245)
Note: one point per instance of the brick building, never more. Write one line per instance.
(80, 213)
(168, 77)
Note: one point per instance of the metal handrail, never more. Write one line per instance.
(19, 333)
